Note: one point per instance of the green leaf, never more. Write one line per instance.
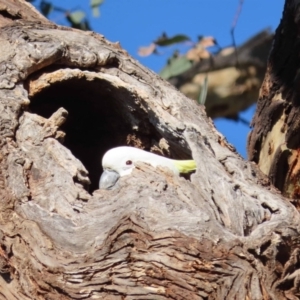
(96, 3)
(166, 41)
(76, 17)
(203, 91)
(46, 8)
(95, 7)
(85, 25)
(96, 11)
(175, 66)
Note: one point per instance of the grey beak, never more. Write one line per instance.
(108, 179)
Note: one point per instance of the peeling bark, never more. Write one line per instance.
(274, 142)
(66, 97)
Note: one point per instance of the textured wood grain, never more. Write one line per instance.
(274, 142)
(66, 97)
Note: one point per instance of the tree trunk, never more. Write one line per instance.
(67, 96)
(274, 142)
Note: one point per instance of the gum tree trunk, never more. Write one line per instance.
(274, 142)
(66, 96)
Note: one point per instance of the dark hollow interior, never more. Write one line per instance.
(99, 119)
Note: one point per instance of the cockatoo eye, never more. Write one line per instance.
(128, 162)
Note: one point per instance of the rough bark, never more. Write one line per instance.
(274, 142)
(66, 97)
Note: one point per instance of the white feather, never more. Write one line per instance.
(118, 159)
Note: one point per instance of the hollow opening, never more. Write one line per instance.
(101, 116)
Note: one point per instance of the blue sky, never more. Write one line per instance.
(136, 23)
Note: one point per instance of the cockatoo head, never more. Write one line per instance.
(120, 159)
(118, 162)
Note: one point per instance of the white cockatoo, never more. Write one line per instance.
(120, 161)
